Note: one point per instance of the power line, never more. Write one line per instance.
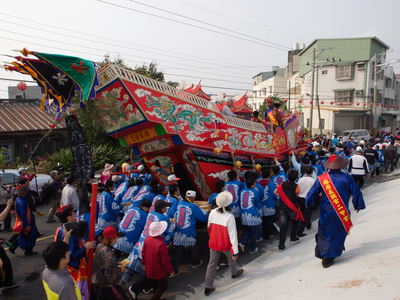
(240, 20)
(91, 48)
(191, 25)
(204, 60)
(206, 23)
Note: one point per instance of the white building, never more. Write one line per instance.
(345, 89)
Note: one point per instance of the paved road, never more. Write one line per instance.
(27, 269)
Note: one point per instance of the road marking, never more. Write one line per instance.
(43, 238)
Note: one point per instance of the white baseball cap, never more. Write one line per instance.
(191, 193)
(140, 168)
(172, 177)
(359, 149)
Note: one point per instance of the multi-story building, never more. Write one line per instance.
(267, 84)
(345, 87)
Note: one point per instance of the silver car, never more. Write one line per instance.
(10, 176)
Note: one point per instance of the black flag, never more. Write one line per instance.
(82, 159)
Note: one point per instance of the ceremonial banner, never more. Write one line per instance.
(82, 158)
(336, 201)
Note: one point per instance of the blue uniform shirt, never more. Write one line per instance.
(234, 187)
(108, 211)
(251, 208)
(269, 199)
(186, 216)
(132, 225)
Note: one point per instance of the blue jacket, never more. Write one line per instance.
(186, 216)
(76, 251)
(269, 199)
(318, 170)
(312, 153)
(120, 191)
(251, 208)
(135, 257)
(234, 187)
(278, 179)
(171, 209)
(132, 225)
(130, 193)
(212, 197)
(158, 197)
(144, 193)
(297, 166)
(108, 211)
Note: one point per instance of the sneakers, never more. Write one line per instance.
(30, 253)
(132, 293)
(173, 274)
(255, 251)
(10, 286)
(241, 247)
(208, 291)
(239, 272)
(301, 234)
(146, 292)
(294, 242)
(196, 266)
(260, 239)
(281, 249)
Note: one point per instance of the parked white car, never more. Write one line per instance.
(10, 176)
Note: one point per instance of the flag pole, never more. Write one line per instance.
(93, 212)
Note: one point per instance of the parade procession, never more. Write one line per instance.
(120, 183)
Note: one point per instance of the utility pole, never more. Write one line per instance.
(289, 96)
(374, 121)
(312, 92)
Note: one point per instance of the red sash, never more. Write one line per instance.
(289, 203)
(18, 221)
(272, 118)
(336, 200)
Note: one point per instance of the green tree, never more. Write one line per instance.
(274, 98)
(116, 61)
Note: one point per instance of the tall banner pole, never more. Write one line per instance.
(93, 212)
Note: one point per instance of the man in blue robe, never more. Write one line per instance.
(25, 222)
(331, 231)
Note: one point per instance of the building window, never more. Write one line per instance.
(346, 96)
(308, 123)
(388, 82)
(45, 147)
(324, 72)
(264, 91)
(323, 123)
(6, 151)
(345, 72)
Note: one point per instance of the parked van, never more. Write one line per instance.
(360, 133)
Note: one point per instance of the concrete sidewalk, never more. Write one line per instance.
(368, 269)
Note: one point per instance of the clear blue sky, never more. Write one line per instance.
(266, 30)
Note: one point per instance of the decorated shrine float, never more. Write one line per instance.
(175, 131)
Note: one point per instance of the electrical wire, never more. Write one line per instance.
(206, 60)
(206, 23)
(240, 20)
(191, 25)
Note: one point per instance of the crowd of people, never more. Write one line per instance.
(140, 219)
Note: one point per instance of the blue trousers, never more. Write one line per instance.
(250, 232)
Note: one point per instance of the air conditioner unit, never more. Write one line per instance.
(359, 93)
(360, 66)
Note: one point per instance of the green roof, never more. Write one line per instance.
(349, 50)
